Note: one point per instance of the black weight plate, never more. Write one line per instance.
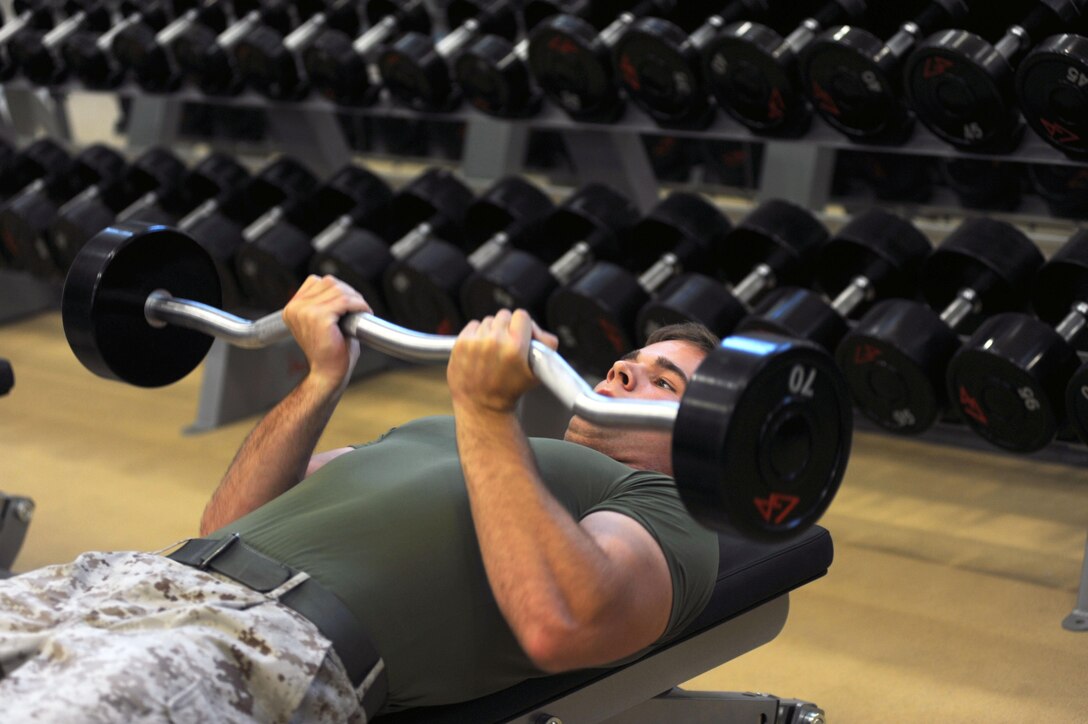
(220, 236)
(852, 89)
(594, 317)
(661, 71)
(103, 303)
(762, 436)
(75, 223)
(894, 361)
(753, 76)
(1052, 87)
(1076, 402)
(92, 65)
(422, 290)
(885, 248)
(272, 266)
(574, 68)
(962, 90)
(336, 71)
(778, 233)
(691, 298)
(798, 313)
(1009, 381)
(23, 222)
(495, 79)
(359, 258)
(1062, 280)
(516, 280)
(268, 67)
(416, 75)
(1063, 188)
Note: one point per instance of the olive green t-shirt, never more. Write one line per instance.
(387, 528)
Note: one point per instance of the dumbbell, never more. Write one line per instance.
(730, 163)
(213, 64)
(760, 439)
(775, 243)
(573, 63)
(38, 165)
(25, 219)
(896, 356)
(220, 222)
(1063, 188)
(876, 255)
(152, 56)
(213, 177)
(43, 62)
(422, 289)
(660, 66)
(33, 19)
(418, 72)
(594, 317)
(590, 225)
(94, 59)
(83, 216)
(359, 247)
(493, 73)
(854, 78)
(273, 65)
(1052, 91)
(342, 70)
(274, 261)
(753, 72)
(1009, 378)
(962, 87)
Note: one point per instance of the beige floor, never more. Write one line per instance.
(953, 568)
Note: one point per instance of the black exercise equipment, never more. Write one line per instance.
(876, 255)
(94, 59)
(493, 73)
(660, 65)
(40, 159)
(273, 64)
(760, 439)
(342, 70)
(418, 72)
(1076, 402)
(590, 225)
(7, 377)
(274, 260)
(594, 317)
(359, 247)
(152, 55)
(1052, 90)
(753, 72)
(855, 79)
(220, 222)
(31, 18)
(214, 176)
(155, 170)
(211, 61)
(1063, 188)
(896, 177)
(26, 217)
(1010, 377)
(987, 184)
(572, 61)
(775, 243)
(896, 356)
(962, 87)
(422, 289)
(42, 59)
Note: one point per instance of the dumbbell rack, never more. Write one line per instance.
(238, 383)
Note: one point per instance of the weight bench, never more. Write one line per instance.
(747, 609)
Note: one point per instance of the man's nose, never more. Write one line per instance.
(622, 373)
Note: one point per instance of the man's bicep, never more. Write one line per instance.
(641, 577)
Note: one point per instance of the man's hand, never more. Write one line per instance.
(489, 367)
(313, 316)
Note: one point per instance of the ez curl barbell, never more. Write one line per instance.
(761, 438)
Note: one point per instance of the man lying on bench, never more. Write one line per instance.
(450, 559)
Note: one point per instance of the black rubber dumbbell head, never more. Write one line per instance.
(1052, 91)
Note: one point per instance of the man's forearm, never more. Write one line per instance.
(273, 457)
(548, 575)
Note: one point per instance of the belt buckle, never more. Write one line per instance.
(218, 550)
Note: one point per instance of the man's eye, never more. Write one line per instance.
(662, 382)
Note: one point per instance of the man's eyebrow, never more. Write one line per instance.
(667, 364)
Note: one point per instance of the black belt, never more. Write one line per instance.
(235, 560)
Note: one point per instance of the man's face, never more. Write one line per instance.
(659, 371)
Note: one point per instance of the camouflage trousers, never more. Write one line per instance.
(135, 637)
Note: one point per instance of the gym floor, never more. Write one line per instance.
(953, 571)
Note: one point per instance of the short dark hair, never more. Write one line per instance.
(693, 332)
